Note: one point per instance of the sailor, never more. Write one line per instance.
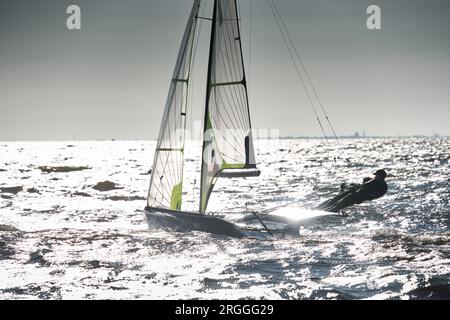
(369, 190)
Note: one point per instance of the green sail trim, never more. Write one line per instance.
(208, 124)
(205, 199)
(233, 165)
(175, 199)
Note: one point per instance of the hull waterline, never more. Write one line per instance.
(183, 221)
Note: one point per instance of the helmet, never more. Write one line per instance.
(380, 172)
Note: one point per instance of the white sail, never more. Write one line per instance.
(228, 144)
(167, 173)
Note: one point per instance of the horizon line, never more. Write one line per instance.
(281, 137)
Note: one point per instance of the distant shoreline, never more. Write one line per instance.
(281, 138)
(367, 137)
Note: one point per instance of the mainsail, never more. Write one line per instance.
(167, 174)
(228, 144)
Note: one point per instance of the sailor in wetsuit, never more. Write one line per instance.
(370, 189)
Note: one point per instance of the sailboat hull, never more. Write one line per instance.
(182, 221)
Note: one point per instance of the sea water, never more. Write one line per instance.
(62, 237)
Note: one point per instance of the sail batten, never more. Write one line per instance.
(228, 143)
(226, 83)
(166, 180)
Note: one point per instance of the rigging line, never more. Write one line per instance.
(250, 49)
(304, 69)
(260, 221)
(355, 175)
(298, 71)
(310, 81)
(312, 86)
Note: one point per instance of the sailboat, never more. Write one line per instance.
(226, 117)
(227, 151)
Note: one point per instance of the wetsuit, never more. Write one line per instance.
(356, 194)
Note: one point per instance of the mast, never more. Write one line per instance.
(208, 94)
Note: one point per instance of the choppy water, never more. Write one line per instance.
(60, 238)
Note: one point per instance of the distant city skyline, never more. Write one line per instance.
(110, 79)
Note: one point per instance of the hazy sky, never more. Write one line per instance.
(110, 79)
